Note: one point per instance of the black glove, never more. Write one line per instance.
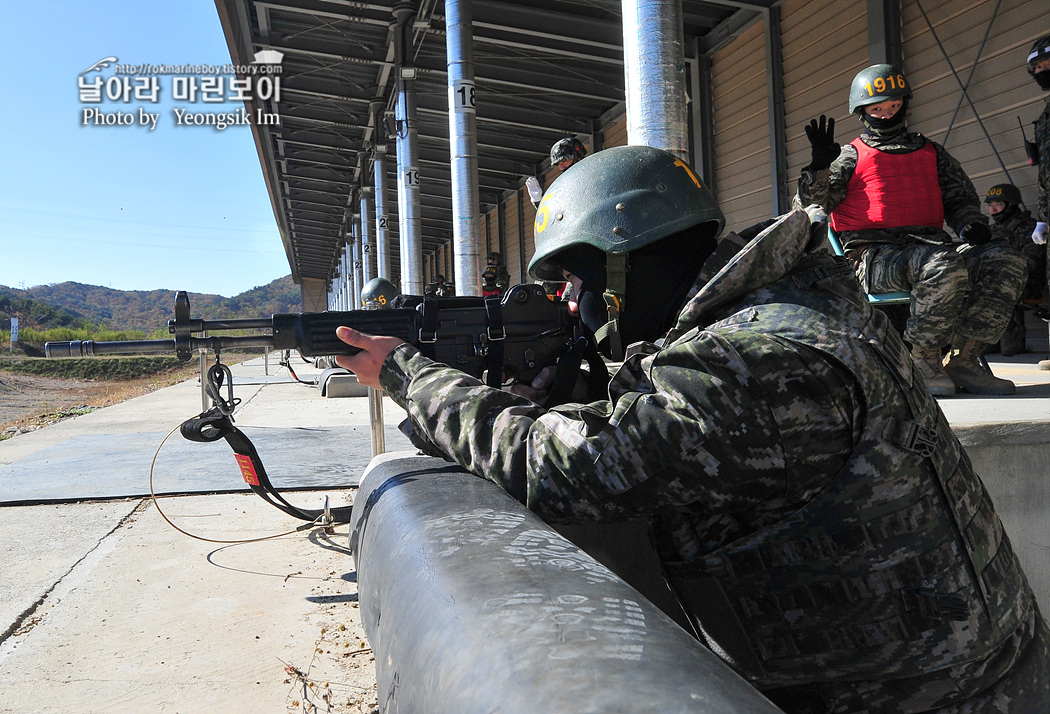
(822, 140)
(976, 233)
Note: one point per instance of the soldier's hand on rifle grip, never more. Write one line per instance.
(367, 363)
(822, 143)
(537, 390)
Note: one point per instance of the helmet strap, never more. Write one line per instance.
(615, 289)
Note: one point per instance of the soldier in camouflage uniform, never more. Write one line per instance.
(889, 193)
(1038, 65)
(1039, 69)
(817, 518)
(502, 280)
(1013, 224)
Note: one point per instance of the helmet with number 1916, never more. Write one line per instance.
(875, 84)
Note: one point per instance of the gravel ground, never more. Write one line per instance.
(28, 402)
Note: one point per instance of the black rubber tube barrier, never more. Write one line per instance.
(473, 604)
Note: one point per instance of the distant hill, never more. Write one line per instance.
(71, 304)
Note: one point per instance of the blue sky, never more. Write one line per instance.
(179, 207)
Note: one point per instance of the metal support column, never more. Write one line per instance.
(409, 214)
(775, 101)
(885, 45)
(368, 248)
(463, 147)
(654, 75)
(348, 286)
(379, 174)
(355, 263)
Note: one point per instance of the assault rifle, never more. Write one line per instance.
(508, 338)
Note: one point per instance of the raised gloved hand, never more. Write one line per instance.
(976, 233)
(822, 142)
(1039, 235)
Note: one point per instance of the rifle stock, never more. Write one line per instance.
(524, 332)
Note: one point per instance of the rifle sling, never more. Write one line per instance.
(429, 322)
(212, 425)
(496, 335)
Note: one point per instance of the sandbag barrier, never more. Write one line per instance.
(473, 604)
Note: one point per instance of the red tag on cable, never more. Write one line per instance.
(247, 469)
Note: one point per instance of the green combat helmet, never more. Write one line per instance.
(1040, 52)
(378, 292)
(618, 200)
(876, 84)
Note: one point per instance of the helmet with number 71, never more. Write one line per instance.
(875, 84)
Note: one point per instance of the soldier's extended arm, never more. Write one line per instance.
(827, 188)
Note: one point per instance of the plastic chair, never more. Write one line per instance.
(892, 298)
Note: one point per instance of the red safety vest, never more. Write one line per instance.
(891, 191)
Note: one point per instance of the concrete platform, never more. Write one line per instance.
(105, 607)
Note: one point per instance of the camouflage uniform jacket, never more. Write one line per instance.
(1016, 230)
(753, 414)
(827, 188)
(1042, 140)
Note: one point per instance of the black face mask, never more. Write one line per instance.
(1043, 79)
(659, 277)
(886, 128)
(1006, 214)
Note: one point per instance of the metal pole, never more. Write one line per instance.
(205, 403)
(382, 237)
(654, 75)
(408, 206)
(408, 191)
(463, 147)
(368, 248)
(348, 285)
(355, 265)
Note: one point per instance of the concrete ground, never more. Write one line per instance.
(105, 607)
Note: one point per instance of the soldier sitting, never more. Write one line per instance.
(889, 193)
(1013, 224)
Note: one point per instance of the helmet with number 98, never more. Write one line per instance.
(876, 84)
(378, 292)
(1003, 192)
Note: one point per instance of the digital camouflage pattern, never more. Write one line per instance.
(757, 407)
(973, 299)
(1016, 230)
(1042, 140)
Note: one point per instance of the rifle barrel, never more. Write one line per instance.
(90, 348)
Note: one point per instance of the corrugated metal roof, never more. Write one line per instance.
(543, 70)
